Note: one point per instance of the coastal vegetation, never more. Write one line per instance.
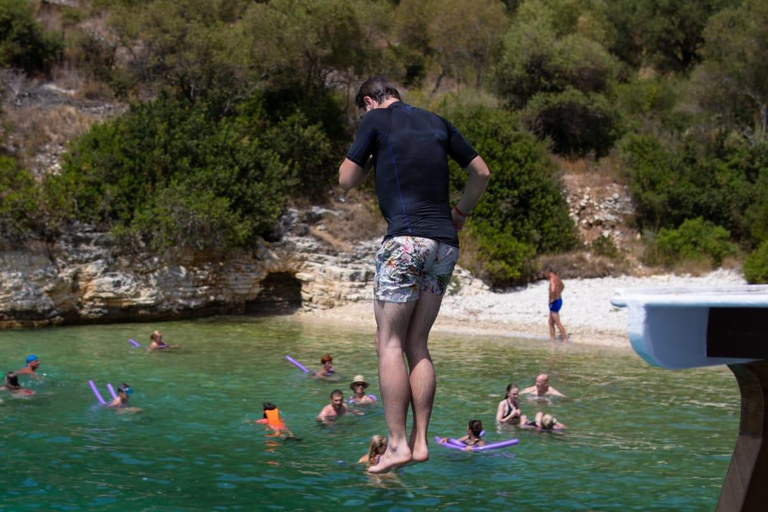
(238, 108)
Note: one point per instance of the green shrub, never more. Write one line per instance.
(576, 122)
(23, 42)
(756, 265)
(522, 212)
(695, 240)
(19, 200)
(605, 246)
(172, 174)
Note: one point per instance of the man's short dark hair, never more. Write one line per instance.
(378, 88)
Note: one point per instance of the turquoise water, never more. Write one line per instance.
(639, 438)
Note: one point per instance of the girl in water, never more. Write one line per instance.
(376, 449)
(509, 411)
(156, 342)
(472, 438)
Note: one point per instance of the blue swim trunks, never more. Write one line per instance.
(555, 305)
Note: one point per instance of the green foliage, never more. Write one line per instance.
(19, 200)
(668, 35)
(522, 211)
(23, 42)
(695, 240)
(605, 246)
(733, 78)
(756, 265)
(562, 80)
(169, 173)
(577, 123)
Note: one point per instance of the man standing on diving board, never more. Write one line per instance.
(409, 148)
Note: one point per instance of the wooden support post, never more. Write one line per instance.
(746, 484)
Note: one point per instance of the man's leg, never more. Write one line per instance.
(555, 320)
(392, 321)
(552, 326)
(422, 376)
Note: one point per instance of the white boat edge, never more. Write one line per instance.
(667, 327)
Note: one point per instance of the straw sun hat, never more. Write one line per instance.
(358, 378)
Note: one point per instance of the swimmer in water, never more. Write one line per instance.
(472, 438)
(542, 422)
(12, 385)
(124, 392)
(376, 449)
(31, 367)
(335, 409)
(508, 411)
(358, 387)
(327, 370)
(541, 388)
(274, 421)
(156, 342)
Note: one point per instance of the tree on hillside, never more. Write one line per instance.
(23, 42)
(733, 79)
(193, 46)
(562, 81)
(666, 34)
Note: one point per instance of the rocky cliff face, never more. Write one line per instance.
(82, 278)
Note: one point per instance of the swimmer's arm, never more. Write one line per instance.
(526, 391)
(352, 175)
(500, 412)
(552, 391)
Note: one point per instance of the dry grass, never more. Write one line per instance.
(358, 219)
(607, 169)
(36, 128)
(582, 264)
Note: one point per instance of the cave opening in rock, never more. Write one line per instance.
(280, 295)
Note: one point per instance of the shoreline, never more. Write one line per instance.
(588, 316)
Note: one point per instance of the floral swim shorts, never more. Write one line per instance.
(409, 265)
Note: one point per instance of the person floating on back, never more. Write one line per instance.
(410, 148)
(556, 287)
(542, 422)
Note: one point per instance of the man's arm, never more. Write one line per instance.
(526, 391)
(352, 175)
(479, 174)
(552, 391)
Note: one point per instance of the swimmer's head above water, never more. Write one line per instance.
(12, 380)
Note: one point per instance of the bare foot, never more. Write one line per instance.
(391, 460)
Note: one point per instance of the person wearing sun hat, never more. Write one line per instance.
(358, 387)
(31, 368)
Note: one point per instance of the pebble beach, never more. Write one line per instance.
(587, 314)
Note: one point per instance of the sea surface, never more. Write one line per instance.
(638, 438)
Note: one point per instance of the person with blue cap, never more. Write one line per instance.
(31, 368)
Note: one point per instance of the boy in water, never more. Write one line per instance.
(274, 421)
(335, 409)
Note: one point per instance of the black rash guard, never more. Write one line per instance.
(410, 148)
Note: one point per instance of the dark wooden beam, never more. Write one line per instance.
(738, 332)
(746, 483)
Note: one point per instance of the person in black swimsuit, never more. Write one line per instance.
(509, 411)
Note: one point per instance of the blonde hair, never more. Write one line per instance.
(156, 335)
(548, 421)
(377, 447)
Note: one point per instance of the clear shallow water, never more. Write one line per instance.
(640, 438)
